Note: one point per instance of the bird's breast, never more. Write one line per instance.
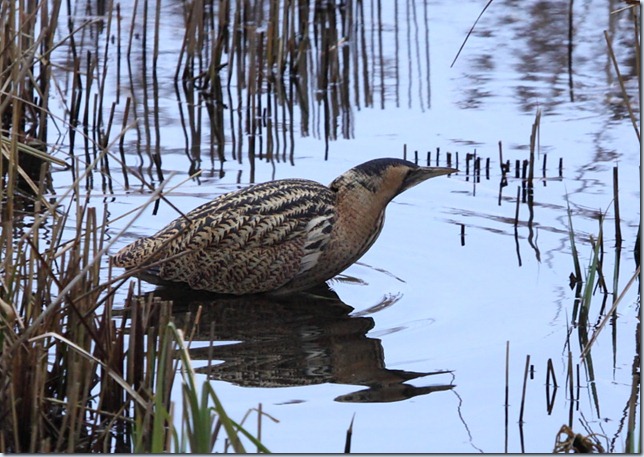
(359, 221)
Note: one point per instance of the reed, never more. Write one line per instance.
(73, 376)
(81, 381)
(594, 280)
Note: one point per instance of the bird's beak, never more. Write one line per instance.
(421, 174)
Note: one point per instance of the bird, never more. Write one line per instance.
(278, 237)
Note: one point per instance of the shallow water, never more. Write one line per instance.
(452, 281)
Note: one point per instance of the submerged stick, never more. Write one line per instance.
(525, 385)
(618, 230)
(347, 443)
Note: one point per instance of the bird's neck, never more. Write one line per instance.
(360, 219)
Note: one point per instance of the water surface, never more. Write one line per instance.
(414, 346)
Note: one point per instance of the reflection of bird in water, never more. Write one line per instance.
(295, 340)
(280, 236)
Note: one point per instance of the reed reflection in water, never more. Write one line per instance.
(304, 339)
(229, 79)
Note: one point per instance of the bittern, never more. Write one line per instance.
(280, 236)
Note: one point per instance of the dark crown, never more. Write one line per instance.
(377, 166)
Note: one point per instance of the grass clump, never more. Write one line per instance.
(75, 379)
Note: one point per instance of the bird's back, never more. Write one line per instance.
(253, 240)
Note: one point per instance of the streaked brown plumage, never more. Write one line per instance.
(280, 236)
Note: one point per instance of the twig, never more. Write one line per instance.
(470, 32)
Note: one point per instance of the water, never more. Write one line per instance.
(451, 282)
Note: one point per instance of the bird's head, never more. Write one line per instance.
(386, 178)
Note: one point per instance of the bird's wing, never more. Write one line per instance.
(254, 239)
